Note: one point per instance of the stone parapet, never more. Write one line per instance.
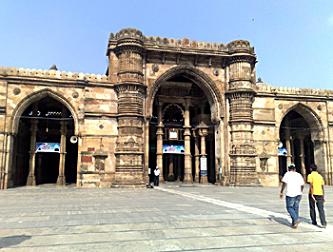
(268, 89)
(51, 74)
(185, 44)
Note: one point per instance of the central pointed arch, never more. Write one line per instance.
(184, 143)
(198, 77)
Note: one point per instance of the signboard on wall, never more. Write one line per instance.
(173, 134)
(282, 151)
(173, 148)
(47, 147)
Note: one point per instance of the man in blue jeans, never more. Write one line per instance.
(294, 183)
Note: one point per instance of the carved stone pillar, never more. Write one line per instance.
(288, 143)
(159, 144)
(203, 132)
(187, 145)
(8, 164)
(127, 45)
(196, 157)
(302, 156)
(240, 93)
(31, 180)
(62, 159)
(170, 168)
(146, 144)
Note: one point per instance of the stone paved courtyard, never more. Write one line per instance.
(168, 218)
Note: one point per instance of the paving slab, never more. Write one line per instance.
(167, 218)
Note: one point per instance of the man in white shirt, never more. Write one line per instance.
(294, 183)
(157, 176)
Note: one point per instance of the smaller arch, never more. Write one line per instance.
(36, 96)
(173, 105)
(199, 78)
(310, 117)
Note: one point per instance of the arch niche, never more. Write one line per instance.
(301, 135)
(184, 107)
(42, 152)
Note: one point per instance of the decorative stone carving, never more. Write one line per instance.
(75, 94)
(240, 46)
(16, 91)
(100, 157)
(155, 68)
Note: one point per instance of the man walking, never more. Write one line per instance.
(316, 196)
(157, 176)
(294, 183)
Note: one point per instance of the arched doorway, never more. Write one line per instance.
(300, 135)
(43, 150)
(182, 134)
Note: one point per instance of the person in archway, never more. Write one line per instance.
(294, 183)
(316, 195)
(157, 176)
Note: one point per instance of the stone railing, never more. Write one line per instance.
(185, 43)
(51, 74)
(232, 47)
(265, 88)
(237, 46)
(128, 33)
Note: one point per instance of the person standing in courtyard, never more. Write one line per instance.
(157, 176)
(316, 196)
(294, 184)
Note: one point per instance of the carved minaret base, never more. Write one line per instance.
(243, 170)
(127, 46)
(241, 91)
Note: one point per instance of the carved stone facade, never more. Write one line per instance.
(192, 108)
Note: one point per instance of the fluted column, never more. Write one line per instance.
(187, 145)
(203, 132)
(288, 143)
(302, 155)
(170, 168)
(196, 157)
(159, 144)
(146, 143)
(31, 180)
(61, 176)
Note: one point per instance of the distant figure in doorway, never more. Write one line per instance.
(157, 176)
(294, 183)
(316, 196)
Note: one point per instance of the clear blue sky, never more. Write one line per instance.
(293, 39)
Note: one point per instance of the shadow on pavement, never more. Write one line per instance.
(13, 240)
(286, 222)
(280, 220)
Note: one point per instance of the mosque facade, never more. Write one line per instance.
(194, 109)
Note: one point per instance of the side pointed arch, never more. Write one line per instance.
(311, 117)
(201, 79)
(36, 96)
